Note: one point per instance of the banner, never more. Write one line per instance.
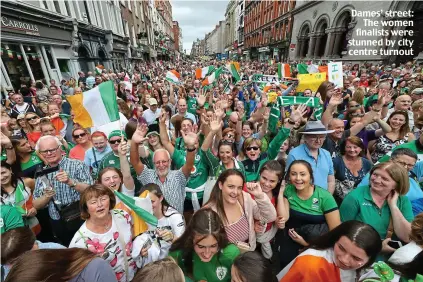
(260, 78)
(335, 74)
(314, 102)
(310, 81)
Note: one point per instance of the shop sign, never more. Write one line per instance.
(264, 49)
(30, 29)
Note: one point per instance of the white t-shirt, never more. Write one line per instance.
(151, 116)
(174, 221)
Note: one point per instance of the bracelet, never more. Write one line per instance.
(191, 149)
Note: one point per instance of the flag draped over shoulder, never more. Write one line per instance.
(213, 77)
(203, 72)
(95, 107)
(173, 76)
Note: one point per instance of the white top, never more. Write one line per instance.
(406, 253)
(150, 117)
(108, 245)
(174, 221)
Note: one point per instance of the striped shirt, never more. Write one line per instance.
(65, 195)
(238, 231)
(173, 187)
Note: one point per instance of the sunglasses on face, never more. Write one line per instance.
(357, 115)
(229, 135)
(76, 136)
(32, 118)
(252, 148)
(117, 141)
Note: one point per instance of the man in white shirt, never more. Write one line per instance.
(152, 113)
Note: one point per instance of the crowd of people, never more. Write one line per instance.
(216, 182)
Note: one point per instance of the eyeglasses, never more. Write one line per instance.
(161, 162)
(117, 141)
(252, 148)
(404, 164)
(32, 118)
(79, 135)
(229, 135)
(315, 138)
(51, 151)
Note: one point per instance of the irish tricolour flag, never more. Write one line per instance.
(95, 107)
(173, 76)
(284, 70)
(213, 77)
(233, 69)
(203, 72)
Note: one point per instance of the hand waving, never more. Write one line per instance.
(215, 123)
(190, 139)
(139, 134)
(298, 114)
(254, 189)
(123, 147)
(201, 99)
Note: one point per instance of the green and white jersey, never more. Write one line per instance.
(218, 269)
(199, 172)
(30, 167)
(192, 105)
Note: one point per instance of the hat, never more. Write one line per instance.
(315, 127)
(115, 133)
(153, 129)
(152, 101)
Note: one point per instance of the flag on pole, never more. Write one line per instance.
(302, 68)
(284, 70)
(173, 76)
(213, 77)
(99, 69)
(95, 107)
(234, 72)
(203, 72)
(142, 212)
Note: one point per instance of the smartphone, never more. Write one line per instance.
(44, 171)
(395, 244)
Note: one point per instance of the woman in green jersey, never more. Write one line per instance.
(27, 159)
(203, 251)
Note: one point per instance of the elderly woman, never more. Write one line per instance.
(383, 204)
(106, 231)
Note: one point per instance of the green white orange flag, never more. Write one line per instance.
(141, 210)
(99, 69)
(213, 77)
(173, 76)
(95, 107)
(203, 72)
(284, 70)
(232, 68)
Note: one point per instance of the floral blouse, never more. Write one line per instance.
(108, 245)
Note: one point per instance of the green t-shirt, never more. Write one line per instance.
(216, 167)
(359, 205)
(320, 203)
(10, 218)
(218, 269)
(30, 167)
(192, 105)
(199, 173)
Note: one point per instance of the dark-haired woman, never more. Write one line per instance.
(64, 265)
(335, 256)
(238, 210)
(203, 251)
(15, 193)
(308, 210)
(170, 224)
(252, 267)
(26, 158)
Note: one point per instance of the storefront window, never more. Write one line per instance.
(34, 62)
(50, 57)
(64, 68)
(15, 65)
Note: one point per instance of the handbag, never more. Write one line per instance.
(70, 212)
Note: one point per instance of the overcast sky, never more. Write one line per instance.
(196, 18)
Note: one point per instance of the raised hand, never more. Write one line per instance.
(190, 138)
(123, 147)
(266, 114)
(254, 189)
(139, 134)
(163, 117)
(298, 114)
(201, 99)
(336, 99)
(215, 123)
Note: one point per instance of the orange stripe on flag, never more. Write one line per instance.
(82, 117)
(324, 69)
(198, 73)
(176, 73)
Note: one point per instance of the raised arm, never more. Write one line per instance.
(164, 137)
(191, 141)
(215, 126)
(7, 145)
(265, 125)
(282, 207)
(125, 168)
(136, 140)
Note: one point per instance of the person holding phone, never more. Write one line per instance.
(381, 202)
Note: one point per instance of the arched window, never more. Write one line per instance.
(343, 23)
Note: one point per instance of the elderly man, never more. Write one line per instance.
(312, 152)
(171, 182)
(21, 107)
(61, 190)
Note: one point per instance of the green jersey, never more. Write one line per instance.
(30, 167)
(218, 269)
(3, 155)
(192, 105)
(199, 172)
(217, 167)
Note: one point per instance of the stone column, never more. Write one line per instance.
(310, 52)
(329, 47)
(317, 46)
(336, 47)
(298, 50)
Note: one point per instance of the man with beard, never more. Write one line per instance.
(171, 182)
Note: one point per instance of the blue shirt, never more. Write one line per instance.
(322, 168)
(413, 194)
(90, 160)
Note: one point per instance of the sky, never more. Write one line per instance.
(196, 18)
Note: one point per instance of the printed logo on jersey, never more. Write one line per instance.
(112, 162)
(315, 203)
(193, 170)
(221, 272)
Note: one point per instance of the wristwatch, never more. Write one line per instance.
(73, 183)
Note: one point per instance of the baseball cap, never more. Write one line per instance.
(152, 101)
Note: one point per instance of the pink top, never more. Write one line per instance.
(77, 153)
(238, 231)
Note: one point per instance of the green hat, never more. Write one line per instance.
(115, 133)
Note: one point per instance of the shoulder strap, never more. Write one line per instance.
(95, 158)
(390, 230)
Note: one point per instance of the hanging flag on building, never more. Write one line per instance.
(173, 77)
(213, 77)
(10, 54)
(284, 70)
(95, 107)
(203, 72)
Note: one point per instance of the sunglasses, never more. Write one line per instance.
(252, 148)
(357, 115)
(229, 135)
(79, 135)
(117, 141)
(32, 118)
